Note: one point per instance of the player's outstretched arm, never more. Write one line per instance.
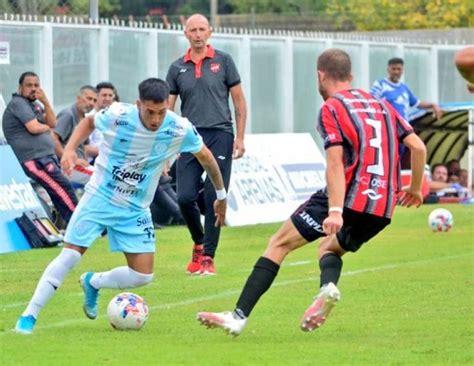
(336, 186)
(209, 164)
(412, 195)
(81, 132)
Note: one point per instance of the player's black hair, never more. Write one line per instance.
(395, 61)
(24, 75)
(153, 89)
(105, 85)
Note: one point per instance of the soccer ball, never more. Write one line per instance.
(127, 311)
(440, 219)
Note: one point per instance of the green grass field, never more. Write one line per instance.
(407, 299)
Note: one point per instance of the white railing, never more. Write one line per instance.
(277, 67)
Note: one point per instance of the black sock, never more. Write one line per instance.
(259, 281)
(330, 265)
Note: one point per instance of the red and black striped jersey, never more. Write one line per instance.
(369, 131)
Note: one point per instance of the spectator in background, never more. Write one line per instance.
(27, 124)
(68, 119)
(106, 95)
(463, 178)
(398, 94)
(440, 186)
(203, 78)
(453, 167)
(439, 173)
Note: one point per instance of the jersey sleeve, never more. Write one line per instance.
(403, 127)
(412, 100)
(232, 77)
(105, 117)
(192, 141)
(376, 89)
(64, 126)
(22, 110)
(328, 126)
(171, 80)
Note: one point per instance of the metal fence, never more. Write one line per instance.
(278, 70)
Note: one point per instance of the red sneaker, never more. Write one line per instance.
(195, 264)
(207, 266)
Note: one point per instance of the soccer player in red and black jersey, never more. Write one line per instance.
(361, 137)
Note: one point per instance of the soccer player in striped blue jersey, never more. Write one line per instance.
(398, 94)
(139, 140)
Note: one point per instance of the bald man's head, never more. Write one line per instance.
(196, 18)
(197, 31)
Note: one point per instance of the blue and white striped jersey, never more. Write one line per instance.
(132, 158)
(397, 94)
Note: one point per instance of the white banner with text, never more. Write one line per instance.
(277, 173)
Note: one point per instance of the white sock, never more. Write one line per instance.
(120, 277)
(53, 276)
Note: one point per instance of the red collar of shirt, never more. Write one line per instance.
(210, 53)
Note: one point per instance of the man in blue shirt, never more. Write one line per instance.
(139, 140)
(397, 93)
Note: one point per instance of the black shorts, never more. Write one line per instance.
(358, 227)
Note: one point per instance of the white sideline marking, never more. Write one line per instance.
(300, 263)
(236, 292)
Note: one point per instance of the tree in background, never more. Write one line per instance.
(412, 14)
(106, 7)
(277, 6)
(366, 15)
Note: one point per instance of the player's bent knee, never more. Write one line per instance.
(139, 279)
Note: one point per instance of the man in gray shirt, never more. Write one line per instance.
(27, 123)
(68, 119)
(203, 78)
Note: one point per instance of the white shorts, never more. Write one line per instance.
(128, 230)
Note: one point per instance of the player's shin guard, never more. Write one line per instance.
(331, 266)
(259, 281)
(53, 276)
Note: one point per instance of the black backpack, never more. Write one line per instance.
(39, 230)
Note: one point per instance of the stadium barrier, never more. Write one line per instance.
(16, 197)
(277, 173)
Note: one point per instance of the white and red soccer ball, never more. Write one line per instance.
(440, 220)
(127, 311)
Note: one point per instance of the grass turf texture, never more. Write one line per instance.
(407, 298)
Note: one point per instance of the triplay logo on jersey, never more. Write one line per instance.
(124, 175)
(215, 68)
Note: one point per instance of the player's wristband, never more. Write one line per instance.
(335, 209)
(221, 194)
